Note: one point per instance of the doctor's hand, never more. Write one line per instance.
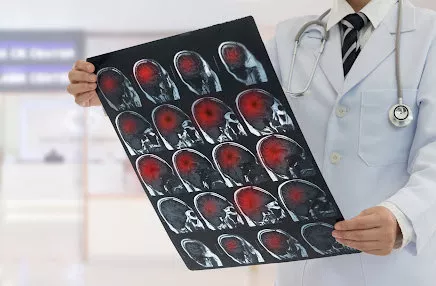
(83, 84)
(374, 231)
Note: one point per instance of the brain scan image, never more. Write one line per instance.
(158, 177)
(217, 211)
(196, 73)
(175, 127)
(263, 114)
(304, 200)
(179, 216)
(319, 237)
(117, 89)
(238, 165)
(283, 158)
(200, 253)
(217, 122)
(241, 63)
(196, 171)
(281, 245)
(137, 133)
(258, 206)
(155, 81)
(240, 250)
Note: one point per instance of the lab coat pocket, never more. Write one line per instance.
(380, 142)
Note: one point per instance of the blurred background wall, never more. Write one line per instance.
(71, 209)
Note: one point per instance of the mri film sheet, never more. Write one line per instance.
(206, 125)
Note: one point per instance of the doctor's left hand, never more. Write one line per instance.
(374, 231)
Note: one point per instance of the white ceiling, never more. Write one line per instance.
(152, 15)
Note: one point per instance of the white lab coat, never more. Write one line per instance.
(378, 162)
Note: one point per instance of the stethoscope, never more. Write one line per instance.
(400, 115)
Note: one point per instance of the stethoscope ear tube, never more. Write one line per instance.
(400, 115)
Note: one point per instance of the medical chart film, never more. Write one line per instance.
(220, 155)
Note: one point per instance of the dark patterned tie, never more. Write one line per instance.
(351, 25)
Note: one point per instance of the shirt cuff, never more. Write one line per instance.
(404, 223)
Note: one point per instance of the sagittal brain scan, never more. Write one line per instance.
(281, 245)
(175, 127)
(117, 90)
(238, 165)
(258, 206)
(196, 73)
(155, 81)
(304, 200)
(217, 211)
(137, 133)
(158, 176)
(196, 171)
(241, 63)
(217, 122)
(240, 250)
(217, 149)
(200, 253)
(283, 158)
(319, 237)
(263, 113)
(179, 216)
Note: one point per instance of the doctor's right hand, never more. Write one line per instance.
(83, 84)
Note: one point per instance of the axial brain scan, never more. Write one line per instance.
(304, 200)
(218, 123)
(196, 73)
(240, 250)
(241, 63)
(258, 206)
(158, 176)
(179, 216)
(155, 81)
(175, 127)
(137, 133)
(117, 89)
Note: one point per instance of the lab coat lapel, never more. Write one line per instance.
(331, 60)
(381, 44)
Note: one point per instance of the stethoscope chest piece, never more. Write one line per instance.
(400, 115)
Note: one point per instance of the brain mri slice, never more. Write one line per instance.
(263, 113)
(200, 253)
(283, 158)
(241, 63)
(238, 165)
(217, 121)
(319, 237)
(179, 217)
(175, 127)
(137, 133)
(258, 206)
(117, 89)
(239, 249)
(217, 211)
(304, 200)
(155, 82)
(281, 245)
(196, 171)
(158, 176)
(196, 73)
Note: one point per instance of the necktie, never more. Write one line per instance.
(351, 25)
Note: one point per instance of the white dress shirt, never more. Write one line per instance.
(376, 11)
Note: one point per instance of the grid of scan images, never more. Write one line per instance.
(217, 148)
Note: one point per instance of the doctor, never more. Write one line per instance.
(381, 170)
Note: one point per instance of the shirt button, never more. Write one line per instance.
(335, 158)
(341, 111)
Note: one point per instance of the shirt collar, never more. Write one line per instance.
(376, 11)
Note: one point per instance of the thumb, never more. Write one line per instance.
(369, 211)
